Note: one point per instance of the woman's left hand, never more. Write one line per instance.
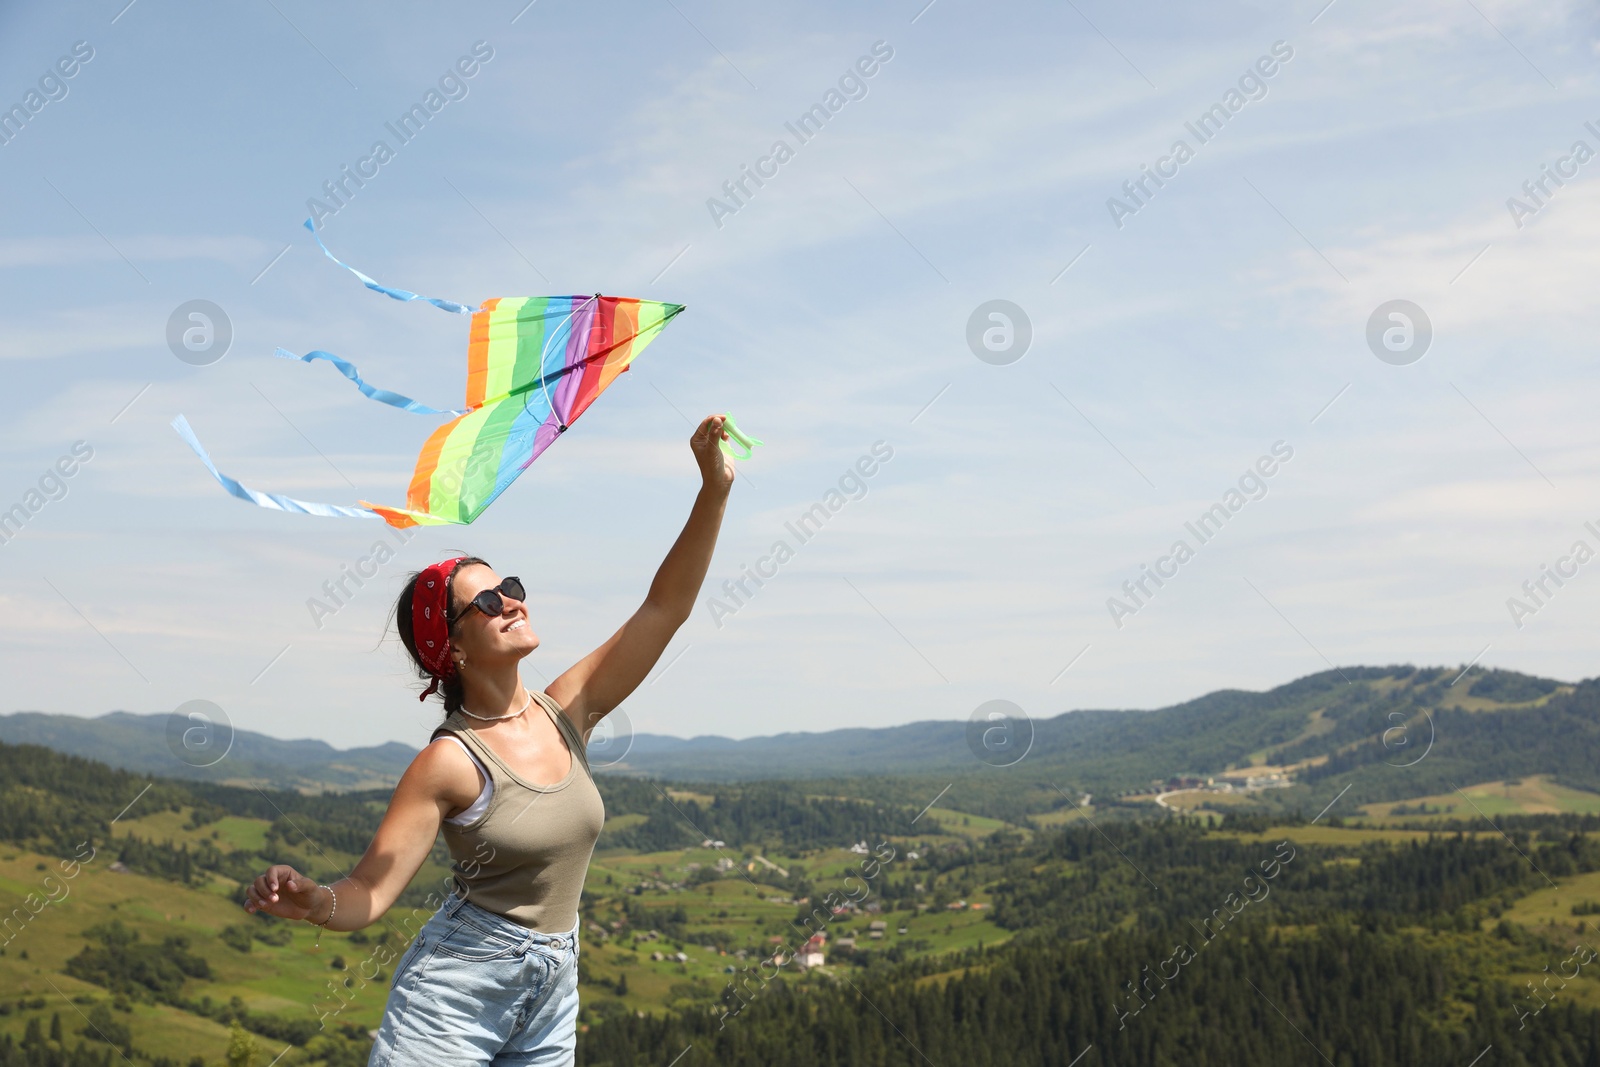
(716, 469)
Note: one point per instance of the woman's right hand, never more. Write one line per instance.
(716, 470)
(282, 891)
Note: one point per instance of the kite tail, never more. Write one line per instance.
(265, 500)
(399, 294)
(384, 396)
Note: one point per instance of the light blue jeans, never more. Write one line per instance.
(476, 989)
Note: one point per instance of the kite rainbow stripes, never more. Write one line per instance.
(534, 365)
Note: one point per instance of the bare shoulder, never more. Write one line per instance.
(562, 693)
(570, 708)
(445, 773)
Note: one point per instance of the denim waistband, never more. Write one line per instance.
(503, 929)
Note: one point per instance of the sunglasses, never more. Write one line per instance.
(489, 601)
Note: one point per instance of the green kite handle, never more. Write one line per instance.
(744, 440)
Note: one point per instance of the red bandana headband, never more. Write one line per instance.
(430, 626)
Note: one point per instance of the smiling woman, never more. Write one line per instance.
(492, 976)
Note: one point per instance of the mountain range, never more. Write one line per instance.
(1335, 726)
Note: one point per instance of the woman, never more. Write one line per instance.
(491, 978)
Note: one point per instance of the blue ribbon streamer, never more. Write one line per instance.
(267, 500)
(399, 294)
(383, 396)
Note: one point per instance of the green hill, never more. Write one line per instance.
(1005, 910)
(140, 743)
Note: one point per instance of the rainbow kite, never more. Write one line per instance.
(534, 364)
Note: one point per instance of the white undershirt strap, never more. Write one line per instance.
(480, 805)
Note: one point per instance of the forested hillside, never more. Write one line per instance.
(1173, 944)
(1011, 915)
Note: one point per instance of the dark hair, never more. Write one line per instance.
(451, 689)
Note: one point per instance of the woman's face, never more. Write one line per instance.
(482, 638)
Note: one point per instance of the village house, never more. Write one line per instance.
(811, 954)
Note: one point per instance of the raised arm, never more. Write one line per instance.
(596, 684)
(428, 790)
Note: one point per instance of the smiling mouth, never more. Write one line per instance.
(518, 625)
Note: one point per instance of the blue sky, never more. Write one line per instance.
(829, 312)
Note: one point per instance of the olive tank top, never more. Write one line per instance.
(525, 858)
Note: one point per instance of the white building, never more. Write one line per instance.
(810, 953)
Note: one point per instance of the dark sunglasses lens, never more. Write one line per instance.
(489, 601)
